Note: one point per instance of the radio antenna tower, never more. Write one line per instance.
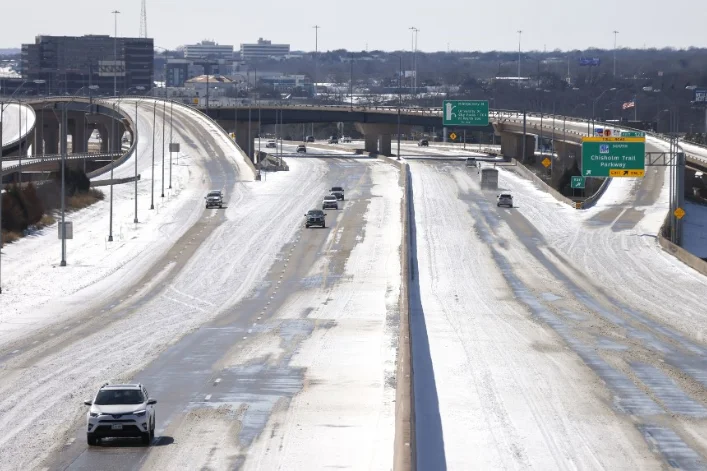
(143, 20)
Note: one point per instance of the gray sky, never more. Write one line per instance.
(463, 25)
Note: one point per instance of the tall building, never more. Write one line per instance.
(176, 72)
(68, 64)
(208, 50)
(263, 49)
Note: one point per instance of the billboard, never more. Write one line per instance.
(111, 68)
(589, 61)
(701, 96)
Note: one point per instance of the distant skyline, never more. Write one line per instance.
(368, 24)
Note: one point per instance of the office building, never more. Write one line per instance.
(208, 50)
(70, 64)
(264, 49)
(176, 72)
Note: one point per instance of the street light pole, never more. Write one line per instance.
(2, 112)
(164, 118)
(64, 122)
(135, 154)
(115, 53)
(171, 108)
(520, 33)
(154, 122)
(400, 99)
(615, 33)
(316, 50)
(112, 161)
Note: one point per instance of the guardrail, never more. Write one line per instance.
(33, 161)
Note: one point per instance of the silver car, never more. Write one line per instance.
(505, 199)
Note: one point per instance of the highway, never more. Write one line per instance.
(14, 124)
(543, 337)
(552, 338)
(254, 334)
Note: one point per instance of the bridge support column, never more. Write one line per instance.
(246, 140)
(370, 143)
(51, 138)
(79, 137)
(512, 145)
(384, 145)
(104, 135)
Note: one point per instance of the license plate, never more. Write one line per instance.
(116, 427)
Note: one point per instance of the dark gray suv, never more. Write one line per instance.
(315, 217)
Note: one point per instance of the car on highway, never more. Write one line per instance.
(423, 143)
(315, 217)
(121, 410)
(301, 149)
(330, 202)
(332, 140)
(271, 143)
(338, 192)
(214, 198)
(505, 199)
(471, 162)
(309, 139)
(346, 139)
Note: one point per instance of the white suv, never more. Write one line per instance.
(121, 410)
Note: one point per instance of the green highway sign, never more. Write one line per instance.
(613, 156)
(465, 113)
(578, 182)
(633, 134)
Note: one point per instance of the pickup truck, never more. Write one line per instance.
(338, 192)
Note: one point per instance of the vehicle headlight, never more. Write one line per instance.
(139, 413)
(93, 414)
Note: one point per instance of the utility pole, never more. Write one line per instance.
(615, 33)
(164, 118)
(520, 33)
(171, 107)
(135, 158)
(400, 99)
(112, 162)
(316, 50)
(64, 121)
(154, 121)
(351, 82)
(115, 53)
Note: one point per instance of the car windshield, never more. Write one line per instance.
(215, 193)
(330, 198)
(505, 195)
(109, 397)
(336, 188)
(315, 212)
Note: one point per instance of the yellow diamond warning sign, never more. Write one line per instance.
(546, 162)
(453, 136)
(679, 213)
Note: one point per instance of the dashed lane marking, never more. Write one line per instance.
(208, 397)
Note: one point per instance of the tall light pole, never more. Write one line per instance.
(400, 99)
(2, 111)
(154, 122)
(520, 33)
(164, 118)
(351, 82)
(112, 161)
(135, 157)
(615, 33)
(413, 47)
(64, 123)
(115, 52)
(171, 108)
(316, 50)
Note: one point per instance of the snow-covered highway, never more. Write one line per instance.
(549, 338)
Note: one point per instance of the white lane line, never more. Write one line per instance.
(70, 441)
(244, 338)
(35, 342)
(15, 352)
(218, 380)
(208, 397)
(250, 331)
(259, 318)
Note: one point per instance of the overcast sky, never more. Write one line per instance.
(372, 24)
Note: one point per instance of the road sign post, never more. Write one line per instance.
(578, 182)
(613, 157)
(465, 113)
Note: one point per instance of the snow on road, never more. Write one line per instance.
(33, 281)
(41, 404)
(344, 417)
(493, 388)
(16, 121)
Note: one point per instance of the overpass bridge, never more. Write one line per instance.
(84, 116)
